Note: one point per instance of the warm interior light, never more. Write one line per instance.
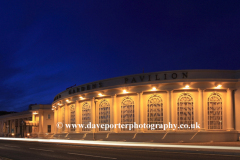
(154, 89)
(125, 91)
(187, 86)
(100, 94)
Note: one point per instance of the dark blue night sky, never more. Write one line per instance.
(47, 46)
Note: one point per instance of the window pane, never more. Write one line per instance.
(86, 116)
(214, 111)
(155, 111)
(104, 114)
(72, 118)
(127, 113)
(185, 110)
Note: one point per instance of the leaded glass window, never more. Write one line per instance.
(127, 113)
(63, 118)
(214, 111)
(185, 110)
(104, 114)
(86, 116)
(72, 117)
(155, 111)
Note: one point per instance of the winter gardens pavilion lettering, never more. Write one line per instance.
(155, 77)
(135, 79)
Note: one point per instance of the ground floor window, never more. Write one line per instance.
(214, 111)
(127, 113)
(185, 110)
(86, 116)
(104, 114)
(72, 119)
(49, 128)
(155, 110)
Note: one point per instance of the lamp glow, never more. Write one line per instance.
(125, 91)
(100, 94)
(187, 86)
(154, 89)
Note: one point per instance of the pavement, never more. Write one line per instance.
(23, 148)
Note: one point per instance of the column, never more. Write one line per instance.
(40, 114)
(115, 113)
(18, 126)
(169, 103)
(112, 113)
(229, 110)
(77, 115)
(141, 110)
(200, 109)
(33, 117)
(55, 120)
(93, 115)
(67, 117)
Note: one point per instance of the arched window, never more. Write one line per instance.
(72, 118)
(104, 114)
(214, 111)
(63, 118)
(185, 110)
(155, 111)
(127, 114)
(86, 116)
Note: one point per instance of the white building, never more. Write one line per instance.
(35, 122)
(208, 98)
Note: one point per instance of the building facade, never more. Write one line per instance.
(206, 100)
(38, 121)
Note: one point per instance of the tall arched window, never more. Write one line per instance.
(127, 114)
(214, 111)
(104, 114)
(63, 118)
(155, 111)
(86, 116)
(185, 110)
(72, 118)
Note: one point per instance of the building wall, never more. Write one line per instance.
(237, 107)
(170, 109)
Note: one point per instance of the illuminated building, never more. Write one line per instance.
(35, 122)
(206, 97)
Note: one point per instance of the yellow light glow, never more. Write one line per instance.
(100, 94)
(154, 89)
(125, 91)
(219, 86)
(35, 113)
(187, 86)
(28, 134)
(12, 134)
(67, 100)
